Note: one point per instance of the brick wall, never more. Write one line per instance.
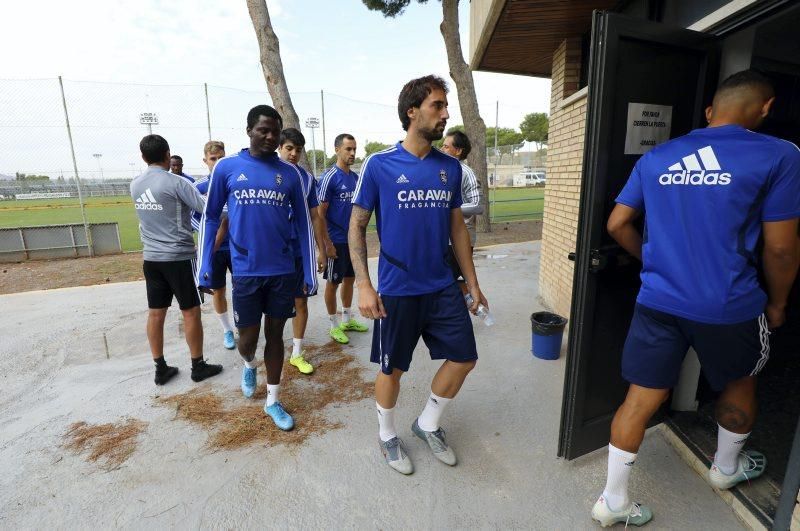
(564, 168)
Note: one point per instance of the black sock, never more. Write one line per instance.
(196, 362)
(161, 364)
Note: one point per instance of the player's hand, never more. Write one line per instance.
(370, 304)
(776, 316)
(330, 250)
(477, 299)
(322, 259)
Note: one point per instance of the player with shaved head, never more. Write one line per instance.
(707, 197)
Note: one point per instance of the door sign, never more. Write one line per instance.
(648, 126)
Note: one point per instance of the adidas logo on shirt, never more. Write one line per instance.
(705, 171)
(241, 177)
(146, 201)
(402, 179)
(344, 187)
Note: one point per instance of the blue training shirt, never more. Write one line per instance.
(311, 200)
(412, 199)
(259, 193)
(336, 187)
(705, 196)
(202, 186)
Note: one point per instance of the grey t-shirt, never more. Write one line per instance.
(164, 204)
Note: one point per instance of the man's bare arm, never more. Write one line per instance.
(462, 248)
(322, 211)
(222, 233)
(620, 227)
(369, 302)
(357, 238)
(780, 266)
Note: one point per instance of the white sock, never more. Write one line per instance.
(334, 320)
(620, 464)
(345, 315)
(729, 445)
(272, 393)
(225, 321)
(251, 364)
(386, 423)
(429, 418)
(297, 346)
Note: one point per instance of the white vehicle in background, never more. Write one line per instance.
(530, 178)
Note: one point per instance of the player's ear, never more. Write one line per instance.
(767, 106)
(709, 111)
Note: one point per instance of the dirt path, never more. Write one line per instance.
(35, 275)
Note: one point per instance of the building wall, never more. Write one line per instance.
(564, 169)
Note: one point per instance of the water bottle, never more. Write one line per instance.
(483, 311)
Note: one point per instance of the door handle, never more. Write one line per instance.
(597, 260)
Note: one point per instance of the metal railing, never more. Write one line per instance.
(45, 242)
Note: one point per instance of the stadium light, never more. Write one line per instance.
(149, 119)
(312, 123)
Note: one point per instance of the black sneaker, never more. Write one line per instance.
(164, 375)
(202, 370)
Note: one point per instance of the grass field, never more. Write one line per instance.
(510, 204)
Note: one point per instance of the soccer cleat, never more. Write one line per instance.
(636, 514)
(750, 465)
(165, 375)
(354, 326)
(338, 335)
(436, 442)
(302, 365)
(228, 341)
(248, 382)
(280, 417)
(203, 370)
(395, 455)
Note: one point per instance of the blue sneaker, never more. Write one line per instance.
(228, 341)
(282, 419)
(248, 382)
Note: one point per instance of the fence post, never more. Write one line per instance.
(75, 168)
(208, 111)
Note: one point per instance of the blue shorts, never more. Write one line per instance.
(441, 318)
(657, 343)
(256, 296)
(341, 267)
(220, 265)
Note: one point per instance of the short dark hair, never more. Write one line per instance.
(337, 142)
(461, 141)
(177, 157)
(414, 93)
(746, 79)
(290, 134)
(154, 148)
(262, 110)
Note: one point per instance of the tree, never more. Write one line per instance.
(271, 64)
(534, 128)
(320, 156)
(374, 147)
(505, 137)
(474, 126)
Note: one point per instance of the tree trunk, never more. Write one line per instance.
(272, 66)
(474, 127)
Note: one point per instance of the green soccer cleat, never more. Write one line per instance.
(354, 326)
(339, 336)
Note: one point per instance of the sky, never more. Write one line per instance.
(120, 58)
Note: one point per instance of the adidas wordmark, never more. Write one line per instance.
(705, 171)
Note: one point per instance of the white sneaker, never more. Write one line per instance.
(635, 514)
(750, 465)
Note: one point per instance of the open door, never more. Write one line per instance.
(632, 61)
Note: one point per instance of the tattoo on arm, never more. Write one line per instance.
(357, 238)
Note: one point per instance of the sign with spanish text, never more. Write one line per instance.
(648, 126)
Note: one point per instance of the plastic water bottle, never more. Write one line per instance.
(483, 311)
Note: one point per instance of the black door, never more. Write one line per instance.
(632, 61)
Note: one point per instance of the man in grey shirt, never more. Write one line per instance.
(164, 204)
(457, 144)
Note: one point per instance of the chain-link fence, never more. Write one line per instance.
(38, 184)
